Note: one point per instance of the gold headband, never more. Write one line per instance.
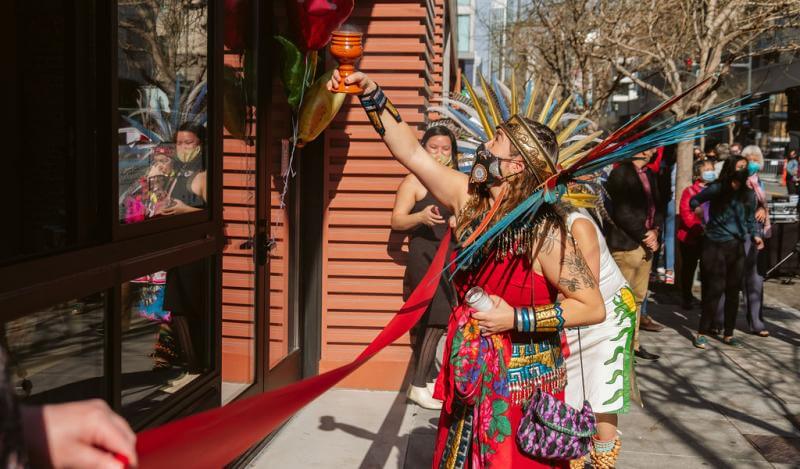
(527, 141)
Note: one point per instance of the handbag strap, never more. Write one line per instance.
(580, 354)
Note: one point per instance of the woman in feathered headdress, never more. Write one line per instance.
(511, 243)
(523, 277)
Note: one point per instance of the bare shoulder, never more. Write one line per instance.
(583, 229)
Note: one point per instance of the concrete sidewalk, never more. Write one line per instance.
(721, 408)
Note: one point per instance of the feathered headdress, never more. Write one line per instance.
(573, 153)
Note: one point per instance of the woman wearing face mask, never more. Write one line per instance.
(497, 357)
(690, 229)
(753, 278)
(731, 223)
(189, 194)
(180, 295)
(419, 213)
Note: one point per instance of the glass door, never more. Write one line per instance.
(284, 358)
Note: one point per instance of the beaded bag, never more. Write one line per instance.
(552, 429)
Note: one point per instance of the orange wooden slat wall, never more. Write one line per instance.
(363, 259)
(238, 279)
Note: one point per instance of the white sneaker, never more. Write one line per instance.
(431, 387)
(423, 398)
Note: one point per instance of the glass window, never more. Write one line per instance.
(56, 354)
(464, 2)
(162, 55)
(165, 335)
(464, 38)
(50, 187)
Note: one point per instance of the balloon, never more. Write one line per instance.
(318, 109)
(234, 110)
(295, 69)
(250, 72)
(317, 19)
(235, 24)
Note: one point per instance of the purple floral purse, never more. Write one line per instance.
(552, 429)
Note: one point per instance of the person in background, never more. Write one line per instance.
(753, 278)
(690, 229)
(792, 167)
(73, 434)
(667, 172)
(189, 194)
(698, 154)
(633, 237)
(181, 296)
(723, 153)
(711, 154)
(419, 213)
(735, 149)
(731, 222)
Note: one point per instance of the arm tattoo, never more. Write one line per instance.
(547, 236)
(575, 273)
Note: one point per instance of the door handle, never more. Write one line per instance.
(264, 246)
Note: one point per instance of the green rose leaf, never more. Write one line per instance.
(499, 407)
(503, 427)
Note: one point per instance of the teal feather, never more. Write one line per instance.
(550, 110)
(501, 100)
(199, 100)
(176, 105)
(149, 133)
(528, 96)
(158, 115)
(465, 122)
(668, 132)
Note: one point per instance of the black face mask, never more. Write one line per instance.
(486, 169)
(741, 176)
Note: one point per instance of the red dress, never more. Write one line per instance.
(532, 361)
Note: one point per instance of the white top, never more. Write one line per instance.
(611, 279)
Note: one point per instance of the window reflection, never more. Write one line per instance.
(56, 355)
(50, 182)
(162, 98)
(165, 342)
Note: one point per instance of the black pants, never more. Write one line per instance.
(426, 354)
(690, 256)
(791, 185)
(722, 270)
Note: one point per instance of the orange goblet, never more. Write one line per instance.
(346, 49)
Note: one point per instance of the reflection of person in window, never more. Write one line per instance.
(189, 194)
(185, 288)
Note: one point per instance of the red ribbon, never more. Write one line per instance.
(216, 437)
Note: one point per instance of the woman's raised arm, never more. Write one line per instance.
(447, 185)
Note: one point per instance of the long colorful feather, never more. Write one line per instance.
(501, 100)
(457, 116)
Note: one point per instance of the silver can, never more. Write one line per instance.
(477, 299)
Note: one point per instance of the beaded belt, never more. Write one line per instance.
(535, 366)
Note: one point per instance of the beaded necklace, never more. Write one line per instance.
(519, 239)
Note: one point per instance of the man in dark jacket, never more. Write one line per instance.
(633, 238)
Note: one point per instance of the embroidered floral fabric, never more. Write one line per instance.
(479, 374)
